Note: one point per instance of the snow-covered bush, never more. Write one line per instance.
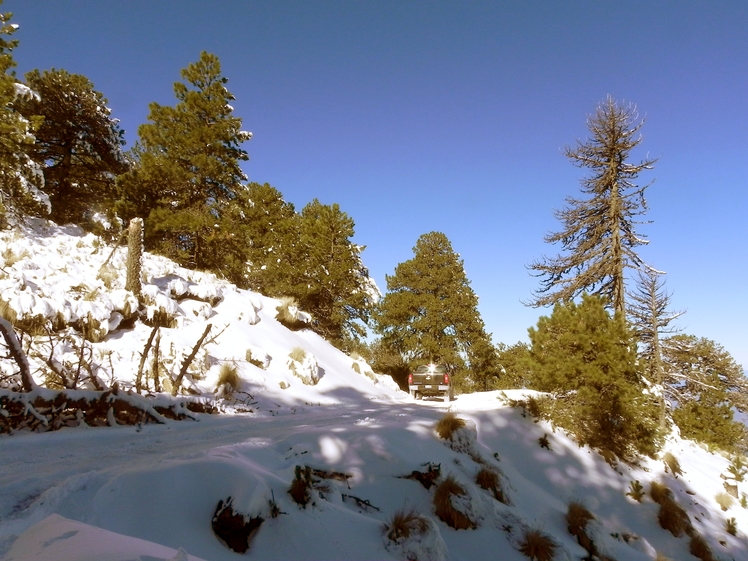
(290, 316)
(410, 536)
(453, 504)
(304, 366)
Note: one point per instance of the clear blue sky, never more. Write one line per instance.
(451, 116)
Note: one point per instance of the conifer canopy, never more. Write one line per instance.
(598, 238)
(78, 144)
(430, 312)
(187, 170)
(21, 180)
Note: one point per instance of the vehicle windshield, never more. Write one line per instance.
(433, 368)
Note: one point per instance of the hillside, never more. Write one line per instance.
(150, 491)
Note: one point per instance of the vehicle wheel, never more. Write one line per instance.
(447, 397)
(419, 395)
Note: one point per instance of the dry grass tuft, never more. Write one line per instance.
(404, 523)
(661, 557)
(447, 425)
(577, 517)
(724, 500)
(731, 526)
(443, 504)
(537, 546)
(672, 464)
(298, 354)
(698, 547)
(286, 314)
(673, 518)
(660, 492)
(490, 480)
(228, 375)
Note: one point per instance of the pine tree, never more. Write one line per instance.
(271, 233)
(704, 384)
(78, 145)
(187, 168)
(650, 317)
(327, 277)
(430, 313)
(598, 235)
(588, 358)
(21, 179)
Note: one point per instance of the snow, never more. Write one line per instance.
(150, 491)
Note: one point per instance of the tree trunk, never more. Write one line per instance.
(16, 352)
(134, 257)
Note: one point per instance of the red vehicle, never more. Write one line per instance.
(430, 380)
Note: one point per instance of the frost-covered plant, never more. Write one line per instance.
(672, 464)
(448, 424)
(636, 491)
(537, 545)
(724, 500)
(444, 498)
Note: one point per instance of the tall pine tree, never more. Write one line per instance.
(648, 311)
(598, 236)
(21, 179)
(187, 172)
(327, 277)
(78, 145)
(430, 313)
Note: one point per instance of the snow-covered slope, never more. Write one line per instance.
(144, 492)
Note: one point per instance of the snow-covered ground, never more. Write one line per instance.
(149, 492)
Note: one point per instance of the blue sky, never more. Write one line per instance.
(422, 116)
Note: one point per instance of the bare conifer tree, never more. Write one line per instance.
(134, 256)
(649, 315)
(598, 237)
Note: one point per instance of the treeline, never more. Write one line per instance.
(608, 352)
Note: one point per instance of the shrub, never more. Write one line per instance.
(698, 547)
(298, 354)
(490, 480)
(537, 546)
(448, 424)
(672, 464)
(744, 500)
(445, 509)
(724, 500)
(404, 523)
(636, 491)
(544, 443)
(228, 375)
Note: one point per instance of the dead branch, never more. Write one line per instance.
(188, 361)
(139, 376)
(16, 352)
